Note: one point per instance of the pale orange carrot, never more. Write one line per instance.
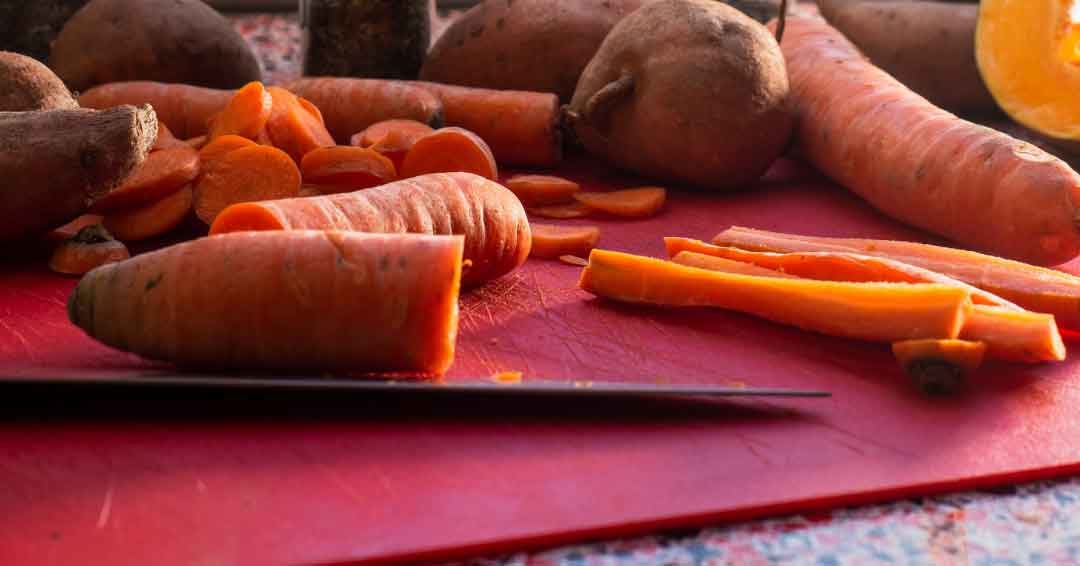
(71, 228)
(245, 175)
(885, 312)
(162, 173)
(631, 203)
(562, 211)
(346, 168)
(714, 263)
(496, 230)
(920, 164)
(450, 150)
(300, 300)
(152, 220)
(411, 131)
(213, 150)
(293, 128)
(939, 367)
(90, 247)
(246, 113)
(550, 241)
(185, 109)
(541, 190)
(351, 105)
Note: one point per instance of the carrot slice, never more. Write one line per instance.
(887, 312)
(151, 220)
(714, 263)
(939, 367)
(90, 247)
(1034, 288)
(562, 211)
(631, 203)
(71, 228)
(222, 145)
(246, 113)
(411, 130)
(550, 241)
(292, 127)
(162, 173)
(539, 190)
(245, 175)
(449, 150)
(346, 168)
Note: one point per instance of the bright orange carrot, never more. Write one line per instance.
(496, 230)
(165, 139)
(450, 150)
(630, 203)
(301, 300)
(939, 367)
(541, 190)
(550, 241)
(562, 211)
(163, 173)
(185, 109)
(346, 168)
(922, 165)
(714, 263)
(90, 247)
(220, 146)
(351, 105)
(887, 312)
(411, 131)
(1034, 288)
(71, 228)
(245, 175)
(151, 220)
(293, 128)
(246, 113)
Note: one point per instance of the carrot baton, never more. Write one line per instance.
(496, 229)
(303, 300)
(185, 109)
(923, 165)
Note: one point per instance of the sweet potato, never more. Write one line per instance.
(30, 26)
(57, 163)
(26, 84)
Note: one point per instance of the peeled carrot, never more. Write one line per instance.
(221, 145)
(302, 300)
(245, 175)
(562, 211)
(151, 220)
(887, 312)
(496, 230)
(185, 109)
(939, 367)
(540, 190)
(71, 228)
(90, 247)
(351, 105)
(714, 263)
(162, 173)
(293, 127)
(165, 139)
(346, 168)
(1034, 288)
(920, 164)
(246, 113)
(410, 129)
(631, 203)
(550, 241)
(450, 150)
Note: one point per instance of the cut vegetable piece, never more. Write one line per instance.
(347, 168)
(714, 263)
(245, 175)
(562, 211)
(939, 367)
(292, 128)
(299, 300)
(886, 312)
(540, 190)
(411, 130)
(550, 241)
(220, 146)
(630, 203)
(163, 173)
(450, 150)
(71, 228)
(91, 247)
(151, 220)
(246, 113)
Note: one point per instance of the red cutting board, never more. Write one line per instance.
(427, 481)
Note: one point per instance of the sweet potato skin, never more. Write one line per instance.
(58, 162)
(26, 84)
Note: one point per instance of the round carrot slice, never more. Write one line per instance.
(89, 248)
(245, 114)
(410, 130)
(222, 145)
(550, 241)
(562, 211)
(293, 128)
(536, 190)
(346, 168)
(162, 173)
(245, 175)
(633, 203)
(151, 220)
(449, 150)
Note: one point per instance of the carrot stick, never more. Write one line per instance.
(185, 109)
(221, 145)
(550, 241)
(300, 300)
(346, 168)
(245, 175)
(630, 203)
(90, 247)
(450, 150)
(293, 127)
(939, 367)
(496, 230)
(714, 263)
(151, 220)
(351, 105)
(541, 190)
(886, 312)
(920, 164)
(411, 130)
(71, 228)
(1034, 288)
(163, 173)
(246, 113)
(562, 211)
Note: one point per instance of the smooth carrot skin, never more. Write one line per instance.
(246, 113)
(883, 312)
(185, 109)
(151, 220)
(629, 203)
(221, 145)
(293, 128)
(450, 150)
(411, 130)
(299, 300)
(714, 263)
(562, 211)
(161, 174)
(245, 175)
(550, 241)
(920, 164)
(542, 190)
(91, 247)
(496, 229)
(351, 105)
(346, 168)
(939, 367)
(1034, 288)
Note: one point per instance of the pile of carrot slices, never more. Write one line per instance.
(943, 310)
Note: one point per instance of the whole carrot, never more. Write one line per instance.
(351, 105)
(185, 109)
(496, 229)
(923, 165)
(302, 300)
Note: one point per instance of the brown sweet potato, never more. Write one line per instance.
(26, 84)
